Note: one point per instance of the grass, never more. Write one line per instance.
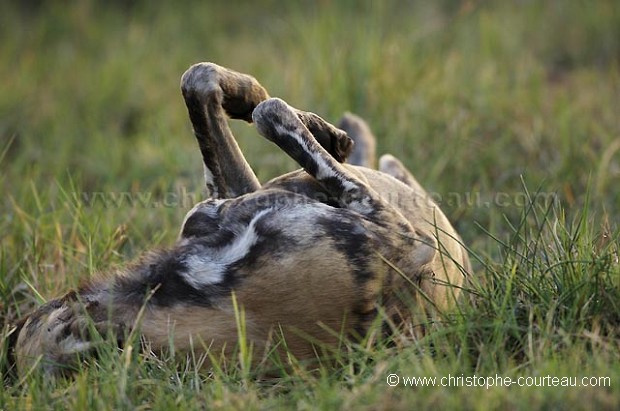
(507, 111)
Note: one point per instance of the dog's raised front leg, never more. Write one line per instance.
(211, 94)
(278, 122)
(397, 242)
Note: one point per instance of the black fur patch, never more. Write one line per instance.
(272, 246)
(200, 224)
(163, 273)
(334, 185)
(351, 239)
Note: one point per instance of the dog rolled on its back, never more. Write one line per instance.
(312, 256)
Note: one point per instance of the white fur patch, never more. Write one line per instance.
(302, 233)
(324, 170)
(209, 267)
(362, 206)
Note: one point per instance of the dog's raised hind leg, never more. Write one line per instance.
(392, 166)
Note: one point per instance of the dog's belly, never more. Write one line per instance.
(293, 263)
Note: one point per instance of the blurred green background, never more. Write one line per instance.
(480, 99)
(471, 95)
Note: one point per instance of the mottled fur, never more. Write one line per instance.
(311, 255)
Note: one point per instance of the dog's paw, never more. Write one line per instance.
(274, 116)
(237, 93)
(334, 140)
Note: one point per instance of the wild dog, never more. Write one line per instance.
(314, 255)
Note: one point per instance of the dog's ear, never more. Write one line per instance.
(424, 249)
